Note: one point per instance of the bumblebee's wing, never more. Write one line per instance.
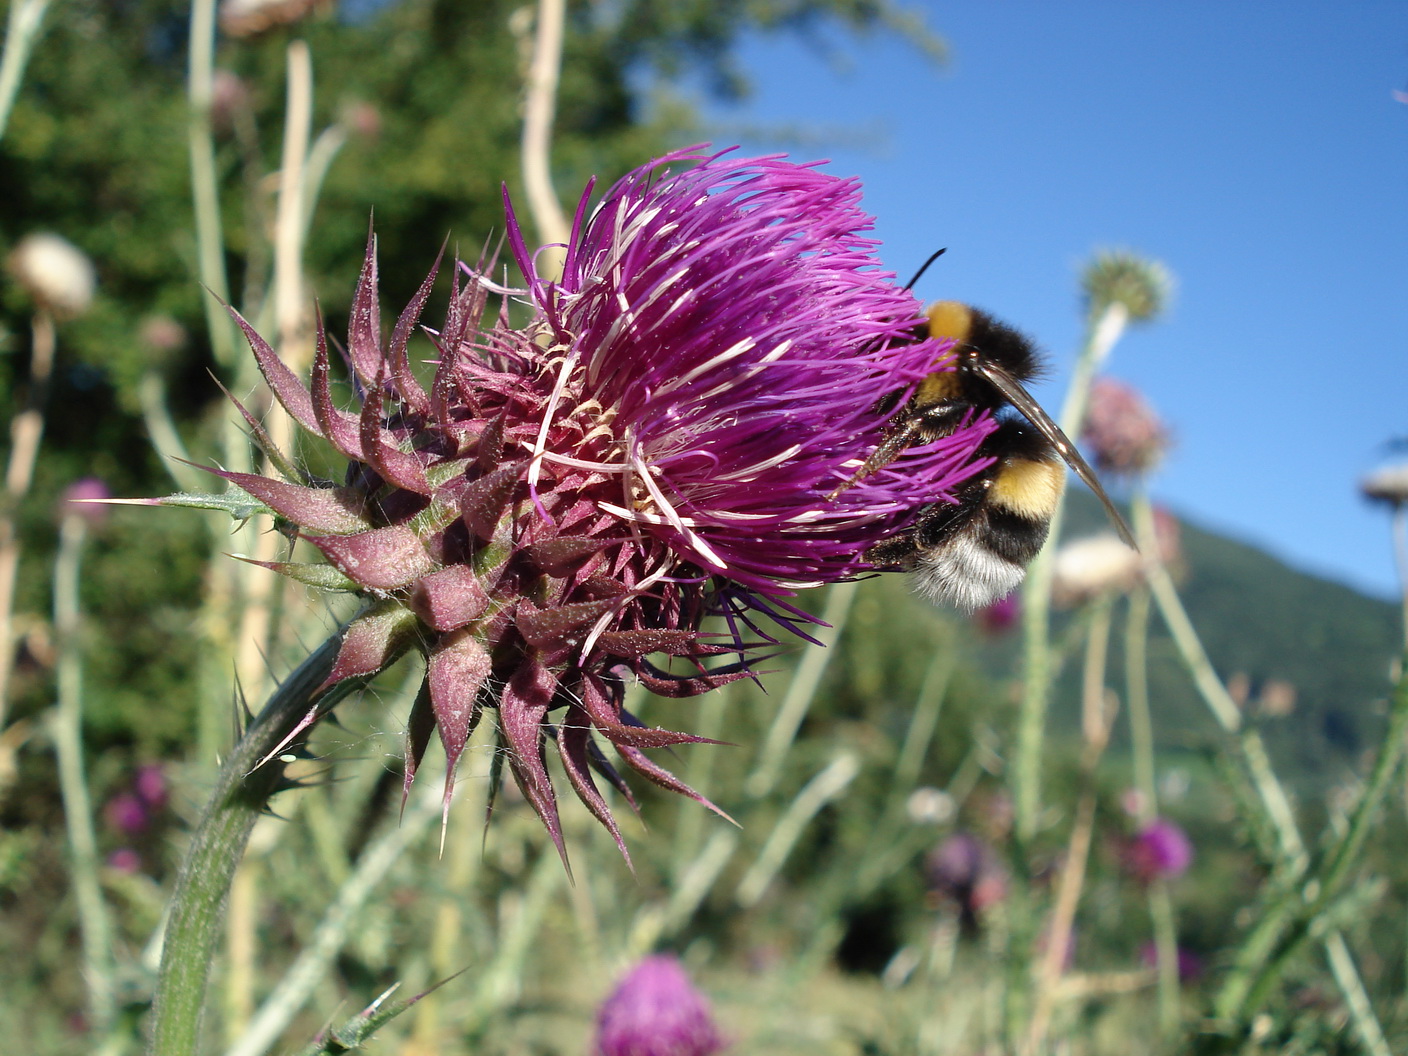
(1013, 392)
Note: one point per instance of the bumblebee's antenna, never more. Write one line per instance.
(924, 267)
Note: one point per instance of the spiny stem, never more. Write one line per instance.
(241, 795)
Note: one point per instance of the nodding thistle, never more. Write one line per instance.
(661, 441)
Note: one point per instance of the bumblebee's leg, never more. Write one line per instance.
(896, 554)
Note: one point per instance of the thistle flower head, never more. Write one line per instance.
(657, 443)
(1161, 848)
(656, 1011)
(1121, 431)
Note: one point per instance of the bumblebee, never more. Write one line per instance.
(976, 550)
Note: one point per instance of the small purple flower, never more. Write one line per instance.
(125, 860)
(656, 1011)
(663, 440)
(1161, 849)
(999, 617)
(150, 785)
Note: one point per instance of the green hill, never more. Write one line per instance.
(1314, 656)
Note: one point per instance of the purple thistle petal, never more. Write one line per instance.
(736, 322)
(287, 389)
(335, 425)
(486, 500)
(637, 761)
(546, 628)
(396, 467)
(371, 642)
(605, 714)
(407, 387)
(419, 727)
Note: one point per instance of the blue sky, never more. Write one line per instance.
(1256, 149)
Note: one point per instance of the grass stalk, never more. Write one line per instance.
(1400, 558)
(1361, 1012)
(815, 794)
(293, 991)
(801, 691)
(1243, 996)
(503, 978)
(446, 945)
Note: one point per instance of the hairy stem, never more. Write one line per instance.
(241, 795)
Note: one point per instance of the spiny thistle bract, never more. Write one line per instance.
(655, 445)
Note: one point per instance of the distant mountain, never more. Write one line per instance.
(1313, 658)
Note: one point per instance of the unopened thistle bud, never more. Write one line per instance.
(1141, 287)
(1388, 485)
(56, 274)
(1087, 568)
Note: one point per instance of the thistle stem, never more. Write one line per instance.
(241, 795)
(539, 109)
(26, 17)
(210, 249)
(26, 431)
(1097, 718)
(67, 732)
(1141, 736)
(1104, 330)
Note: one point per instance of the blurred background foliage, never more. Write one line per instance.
(815, 926)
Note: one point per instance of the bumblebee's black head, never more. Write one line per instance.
(982, 336)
